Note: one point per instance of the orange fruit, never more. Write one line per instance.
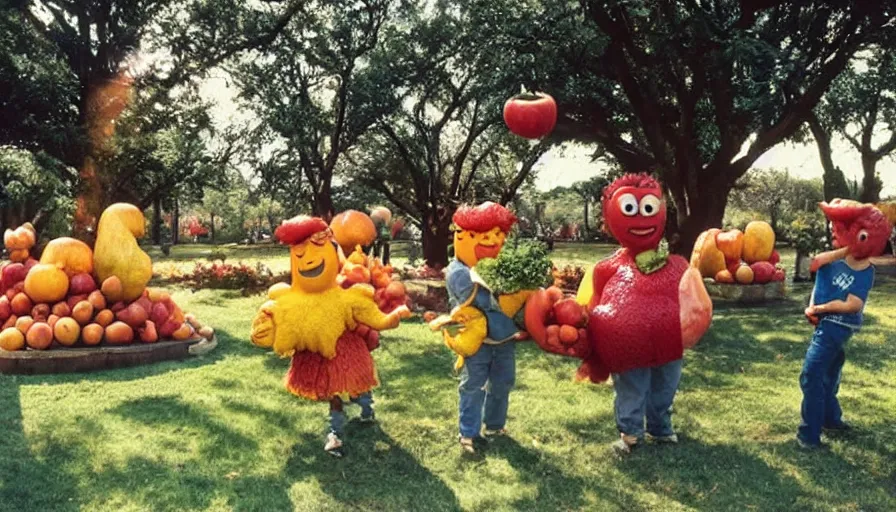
(40, 336)
(92, 334)
(66, 331)
(12, 339)
(105, 317)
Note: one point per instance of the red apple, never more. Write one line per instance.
(81, 284)
(12, 274)
(531, 115)
(159, 314)
(569, 312)
(73, 300)
(133, 315)
(5, 308)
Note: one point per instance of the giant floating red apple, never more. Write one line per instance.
(531, 115)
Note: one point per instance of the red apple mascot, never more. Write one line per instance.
(644, 307)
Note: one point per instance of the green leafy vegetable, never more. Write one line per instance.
(519, 266)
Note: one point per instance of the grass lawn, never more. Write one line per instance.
(221, 433)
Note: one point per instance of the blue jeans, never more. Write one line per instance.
(646, 392)
(337, 416)
(820, 380)
(485, 383)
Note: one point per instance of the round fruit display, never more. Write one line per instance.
(739, 258)
(77, 296)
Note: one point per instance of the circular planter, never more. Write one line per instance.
(746, 293)
(88, 359)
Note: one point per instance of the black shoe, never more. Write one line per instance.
(368, 419)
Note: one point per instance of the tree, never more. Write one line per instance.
(696, 92)
(590, 192)
(38, 97)
(321, 85)
(160, 153)
(447, 143)
(860, 104)
(776, 195)
(95, 38)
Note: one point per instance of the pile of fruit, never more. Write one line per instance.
(565, 320)
(747, 257)
(60, 301)
(360, 269)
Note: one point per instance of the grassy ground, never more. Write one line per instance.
(220, 433)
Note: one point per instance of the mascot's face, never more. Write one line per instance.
(472, 246)
(636, 217)
(315, 263)
(861, 227)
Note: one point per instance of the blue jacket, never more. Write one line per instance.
(460, 287)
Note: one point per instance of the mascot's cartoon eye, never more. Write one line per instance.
(863, 235)
(628, 204)
(650, 205)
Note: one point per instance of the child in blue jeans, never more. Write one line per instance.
(841, 290)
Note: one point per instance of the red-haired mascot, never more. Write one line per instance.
(644, 308)
(320, 325)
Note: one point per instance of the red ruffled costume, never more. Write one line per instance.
(351, 372)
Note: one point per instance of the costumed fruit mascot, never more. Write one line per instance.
(843, 280)
(319, 325)
(643, 307)
(479, 329)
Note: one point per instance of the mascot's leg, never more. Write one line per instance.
(500, 381)
(337, 421)
(663, 386)
(632, 388)
(365, 401)
(473, 378)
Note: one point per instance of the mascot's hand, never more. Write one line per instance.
(371, 336)
(816, 264)
(263, 327)
(811, 316)
(402, 312)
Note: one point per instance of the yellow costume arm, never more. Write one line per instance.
(586, 287)
(263, 326)
(365, 311)
(511, 303)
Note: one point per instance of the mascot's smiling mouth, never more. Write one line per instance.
(642, 232)
(486, 251)
(313, 272)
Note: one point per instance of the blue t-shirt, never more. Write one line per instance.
(460, 286)
(837, 281)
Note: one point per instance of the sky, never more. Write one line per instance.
(574, 164)
(567, 165)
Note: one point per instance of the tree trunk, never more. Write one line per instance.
(156, 229)
(436, 239)
(705, 214)
(387, 252)
(834, 180)
(870, 185)
(323, 202)
(587, 228)
(175, 223)
(212, 228)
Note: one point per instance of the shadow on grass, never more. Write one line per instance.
(377, 473)
(28, 482)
